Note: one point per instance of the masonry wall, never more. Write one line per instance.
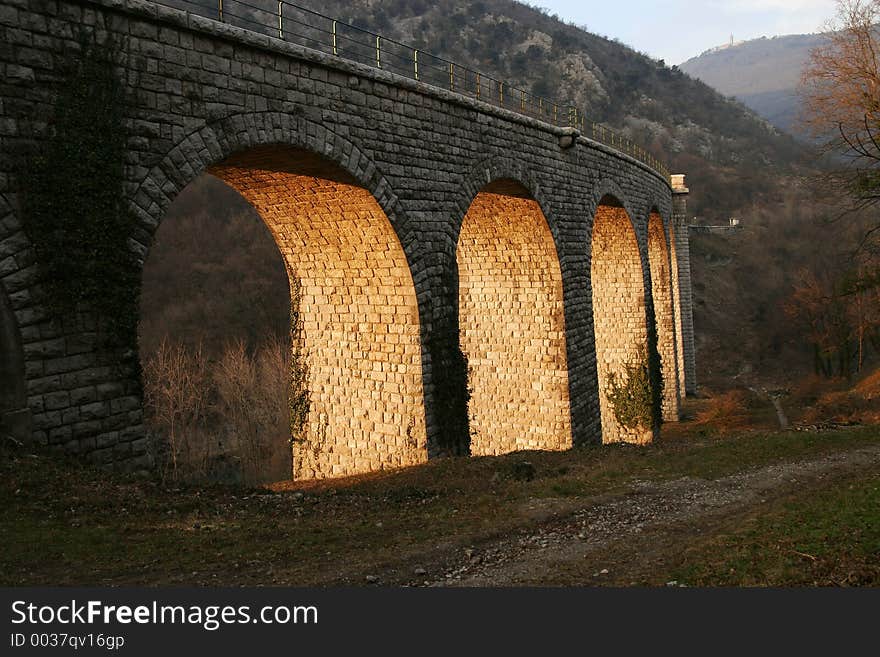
(618, 312)
(201, 92)
(664, 315)
(14, 416)
(512, 326)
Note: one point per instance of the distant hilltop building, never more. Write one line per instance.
(724, 46)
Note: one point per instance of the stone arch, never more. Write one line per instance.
(607, 189)
(217, 141)
(491, 169)
(512, 321)
(664, 313)
(619, 306)
(328, 208)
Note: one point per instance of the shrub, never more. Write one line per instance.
(176, 400)
(223, 418)
(632, 396)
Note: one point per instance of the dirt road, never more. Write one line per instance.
(615, 540)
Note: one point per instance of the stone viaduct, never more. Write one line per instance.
(421, 224)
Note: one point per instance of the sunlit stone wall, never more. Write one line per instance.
(618, 311)
(664, 317)
(512, 326)
(360, 319)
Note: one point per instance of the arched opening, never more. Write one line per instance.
(664, 317)
(214, 339)
(512, 324)
(14, 415)
(676, 305)
(354, 400)
(619, 321)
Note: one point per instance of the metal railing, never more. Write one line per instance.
(289, 22)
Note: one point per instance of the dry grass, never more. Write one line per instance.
(223, 418)
(730, 410)
(841, 402)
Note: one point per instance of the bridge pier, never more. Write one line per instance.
(684, 295)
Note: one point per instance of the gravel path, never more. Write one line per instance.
(522, 558)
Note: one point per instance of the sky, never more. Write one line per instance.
(676, 30)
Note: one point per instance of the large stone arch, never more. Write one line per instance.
(617, 279)
(493, 168)
(607, 188)
(664, 313)
(339, 229)
(217, 141)
(512, 314)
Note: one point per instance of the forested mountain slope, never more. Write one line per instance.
(764, 74)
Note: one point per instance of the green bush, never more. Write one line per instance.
(632, 396)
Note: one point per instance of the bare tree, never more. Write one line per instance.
(840, 88)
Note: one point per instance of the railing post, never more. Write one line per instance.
(501, 92)
(478, 85)
(333, 32)
(416, 63)
(555, 114)
(280, 24)
(522, 100)
(451, 76)
(378, 51)
(220, 10)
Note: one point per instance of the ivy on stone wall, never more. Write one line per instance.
(298, 397)
(73, 200)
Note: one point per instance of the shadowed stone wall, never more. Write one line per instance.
(685, 310)
(676, 305)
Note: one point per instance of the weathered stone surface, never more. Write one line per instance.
(367, 179)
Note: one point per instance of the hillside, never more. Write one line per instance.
(763, 74)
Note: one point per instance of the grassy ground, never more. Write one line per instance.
(821, 533)
(64, 523)
(823, 536)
